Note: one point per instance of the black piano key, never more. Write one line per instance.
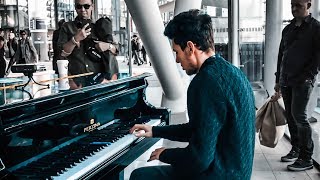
(70, 155)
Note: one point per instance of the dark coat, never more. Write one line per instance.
(30, 53)
(14, 44)
(103, 28)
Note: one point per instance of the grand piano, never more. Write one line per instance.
(77, 134)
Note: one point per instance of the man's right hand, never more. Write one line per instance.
(277, 87)
(277, 93)
(83, 33)
(141, 130)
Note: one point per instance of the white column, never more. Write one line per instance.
(147, 18)
(315, 9)
(116, 12)
(273, 38)
(233, 32)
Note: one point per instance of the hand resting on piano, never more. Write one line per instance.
(143, 130)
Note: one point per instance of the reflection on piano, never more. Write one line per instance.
(77, 134)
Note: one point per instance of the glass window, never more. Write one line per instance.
(220, 21)
(251, 40)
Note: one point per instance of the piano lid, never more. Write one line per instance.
(27, 112)
(79, 133)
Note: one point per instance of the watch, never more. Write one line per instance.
(73, 40)
(110, 47)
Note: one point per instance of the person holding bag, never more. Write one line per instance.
(298, 64)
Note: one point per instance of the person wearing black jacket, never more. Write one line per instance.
(56, 50)
(12, 45)
(297, 68)
(135, 50)
(77, 36)
(2, 58)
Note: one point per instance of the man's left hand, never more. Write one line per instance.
(103, 46)
(156, 154)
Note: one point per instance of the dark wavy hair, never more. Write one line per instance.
(191, 26)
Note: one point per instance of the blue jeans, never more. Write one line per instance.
(153, 172)
(295, 101)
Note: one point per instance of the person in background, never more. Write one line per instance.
(298, 65)
(144, 54)
(221, 111)
(3, 63)
(12, 44)
(1, 32)
(135, 50)
(77, 36)
(103, 27)
(26, 52)
(56, 50)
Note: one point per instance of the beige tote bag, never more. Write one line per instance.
(271, 123)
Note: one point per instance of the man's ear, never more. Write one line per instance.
(308, 5)
(190, 47)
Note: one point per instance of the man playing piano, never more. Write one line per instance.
(221, 111)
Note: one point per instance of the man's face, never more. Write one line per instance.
(11, 35)
(299, 8)
(186, 60)
(84, 8)
(23, 35)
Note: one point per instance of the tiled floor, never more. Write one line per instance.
(267, 165)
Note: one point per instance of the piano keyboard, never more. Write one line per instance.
(77, 159)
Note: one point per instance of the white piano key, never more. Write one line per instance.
(91, 162)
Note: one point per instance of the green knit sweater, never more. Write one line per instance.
(220, 131)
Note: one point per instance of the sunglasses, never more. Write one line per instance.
(86, 6)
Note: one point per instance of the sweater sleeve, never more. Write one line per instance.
(207, 112)
(180, 132)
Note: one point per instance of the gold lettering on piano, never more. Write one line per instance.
(91, 127)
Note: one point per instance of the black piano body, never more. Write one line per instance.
(77, 134)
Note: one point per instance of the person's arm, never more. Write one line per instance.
(33, 50)
(14, 58)
(277, 94)
(70, 44)
(280, 54)
(208, 115)
(15, 45)
(181, 132)
(104, 46)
